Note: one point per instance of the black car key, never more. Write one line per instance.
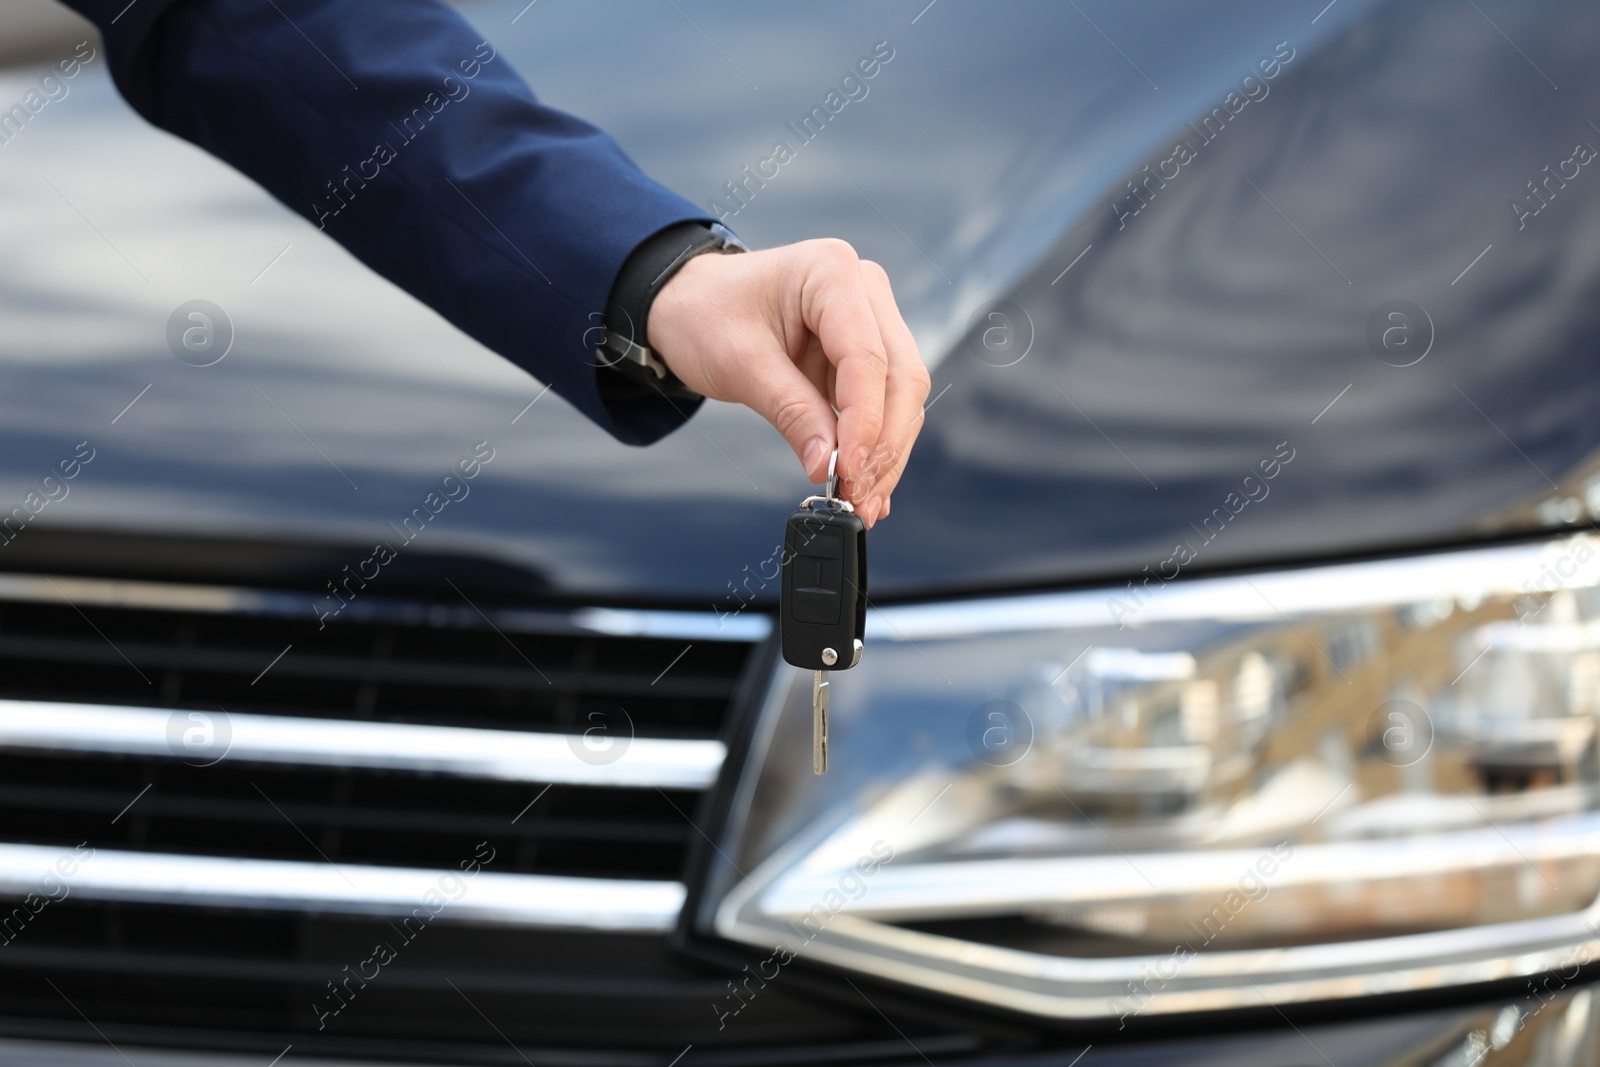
(823, 611)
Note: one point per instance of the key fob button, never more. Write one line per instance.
(818, 576)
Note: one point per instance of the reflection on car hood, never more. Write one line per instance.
(1156, 348)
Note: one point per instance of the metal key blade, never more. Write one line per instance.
(819, 722)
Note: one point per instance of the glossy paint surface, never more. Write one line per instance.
(1144, 365)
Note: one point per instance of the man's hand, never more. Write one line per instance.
(795, 333)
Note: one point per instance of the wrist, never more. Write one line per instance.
(625, 348)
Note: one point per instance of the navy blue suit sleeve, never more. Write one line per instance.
(397, 130)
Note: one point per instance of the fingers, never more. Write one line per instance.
(906, 390)
(834, 306)
(780, 392)
(794, 333)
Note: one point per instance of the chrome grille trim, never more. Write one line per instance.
(219, 599)
(504, 755)
(488, 897)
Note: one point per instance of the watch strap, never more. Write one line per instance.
(624, 346)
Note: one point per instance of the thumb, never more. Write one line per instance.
(776, 389)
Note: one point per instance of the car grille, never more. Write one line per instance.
(371, 760)
(359, 817)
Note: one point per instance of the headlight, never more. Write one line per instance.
(1300, 785)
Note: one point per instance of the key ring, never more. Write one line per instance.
(831, 497)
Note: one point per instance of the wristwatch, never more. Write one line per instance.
(623, 344)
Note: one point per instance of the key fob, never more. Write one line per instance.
(822, 612)
(823, 601)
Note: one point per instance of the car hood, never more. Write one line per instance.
(1116, 369)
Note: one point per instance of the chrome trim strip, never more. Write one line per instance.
(216, 599)
(698, 625)
(908, 892)
(505, 755)
(1069, 987)
(1252, 598)
(488, 896)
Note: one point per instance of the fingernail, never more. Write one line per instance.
(870, 510)
(816, 451)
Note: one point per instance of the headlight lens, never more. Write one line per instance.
(1299, 785)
